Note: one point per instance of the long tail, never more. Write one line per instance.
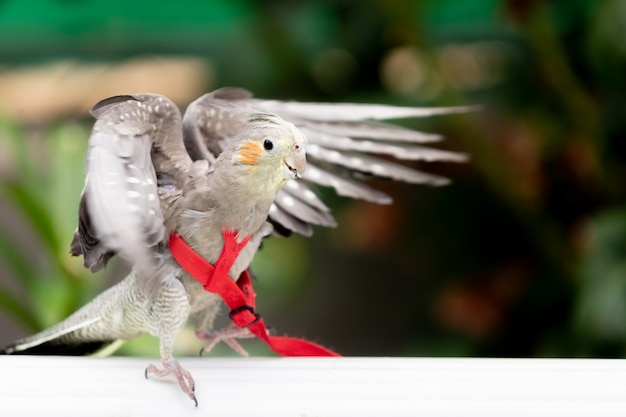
(89, 330)
(56, 341)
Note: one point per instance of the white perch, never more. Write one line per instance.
(312, 387)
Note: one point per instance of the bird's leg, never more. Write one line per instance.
(172, 367)
(204, 323)
(227, 335)
(170, 312)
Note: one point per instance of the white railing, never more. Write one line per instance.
(311, 387)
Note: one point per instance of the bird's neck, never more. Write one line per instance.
(244, 195)
(225, 202)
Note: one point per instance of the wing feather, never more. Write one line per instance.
(374, 166)
(302, 190)
(288, 223)
(343, 186)
(303, 211)
(134, 139)
(324, 112)
(397, 150)
(371, 130)
(347, 142)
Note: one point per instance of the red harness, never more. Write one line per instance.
(239, 296)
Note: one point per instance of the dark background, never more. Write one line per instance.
(523, 255)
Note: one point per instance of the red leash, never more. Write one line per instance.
(239, 296)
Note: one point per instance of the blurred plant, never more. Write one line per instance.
(601, 303)
(40, 186)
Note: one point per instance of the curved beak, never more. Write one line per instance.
(295, 163)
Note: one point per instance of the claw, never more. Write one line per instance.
(172, 367)
(228, 336)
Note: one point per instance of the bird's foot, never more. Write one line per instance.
(227, 335)
(172, 367)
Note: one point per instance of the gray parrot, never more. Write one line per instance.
(232, 163)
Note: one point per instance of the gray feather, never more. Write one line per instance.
(338, 134)
(134, 139)
(302, 190)
(397, 150)
(303, 211)
(370, 130)
(289, 221)
(375, 166)
(122, 195)
(344, 186)
(353, 112)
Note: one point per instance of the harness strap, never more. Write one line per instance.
(239, 296)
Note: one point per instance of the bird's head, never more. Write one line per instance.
(272, 150)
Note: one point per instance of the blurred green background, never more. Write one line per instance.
(523, 255)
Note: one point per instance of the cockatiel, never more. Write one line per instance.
(230, 164)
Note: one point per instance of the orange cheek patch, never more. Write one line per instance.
(249, 153)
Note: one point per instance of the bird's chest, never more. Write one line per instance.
(199, 299)
(205, 234)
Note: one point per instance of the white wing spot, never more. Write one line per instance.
(149, 181)
(288, 201)
(151, 197)
(312, 148)
(132, 180)
(273, 208)
(313, 173)
(309, 194)
(152, 212)
(292, 184)
(133, 194)
(334, 155)
(357, 161)
(377, 168)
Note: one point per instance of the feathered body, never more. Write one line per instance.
(222, 167)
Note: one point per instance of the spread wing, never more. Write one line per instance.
(347, 142)
(135, 153)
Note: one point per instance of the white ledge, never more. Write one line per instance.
(309, 387)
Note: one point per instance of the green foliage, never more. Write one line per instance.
(601, 309)
(42, 190)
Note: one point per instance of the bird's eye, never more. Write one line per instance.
(268, 145)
